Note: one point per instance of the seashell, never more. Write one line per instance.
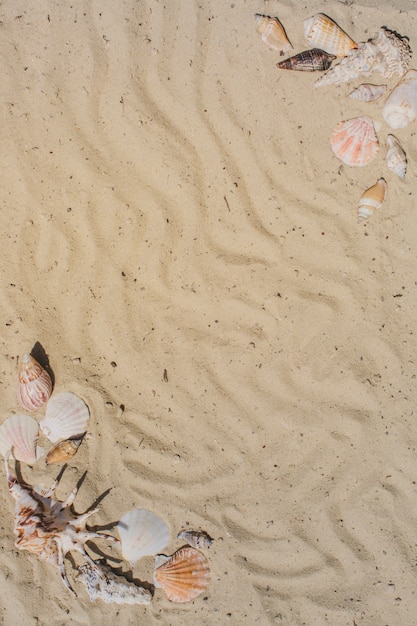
(354, 141)
(396, 158)
(66, 416)
(372, 199)
(387, 53)
(35, 384)
(322, 32)
(63, 451)
(273, 33)
(102, 583)
(142, 533)
(308, 61)
(368, 92)
(196, 538)
(400, 107)
(183, 576)
(19, 435)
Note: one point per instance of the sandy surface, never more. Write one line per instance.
(170, 202)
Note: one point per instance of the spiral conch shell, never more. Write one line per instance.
(322, 32)
(367, 92)
(372, 199)
(400, 107)
(314, 60)
(63, 451)
(396, 158)
(35, 384)
(354, 141)
(273, 33)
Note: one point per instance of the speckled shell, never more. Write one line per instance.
(314, 60)
(34, 386)
(368, 92)
(196, 538)
(66, 416)
(273, 33)
(400, 107)
(103, 584)
(372, 199)
(63, 451)
(142, 533)
(396, 158)
(183, 576)
(322, 32)
(355, 142)
(19, 434)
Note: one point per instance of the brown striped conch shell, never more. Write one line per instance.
(396, 158)
(35, 384)
(196, 538)
(63, 451)
(273, 33)
(19, 436)
(103, 584)
(142, 533)
(354, 141)
(400, 107)
(66, 416)
(322, 32)
(372, 199)
(183, 576)
(314, 60)
(368, 92)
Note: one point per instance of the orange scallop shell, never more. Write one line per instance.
(183, 576)
(35, 385)
(354, 141)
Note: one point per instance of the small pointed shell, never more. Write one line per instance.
(63, 451)
(314, 60)
(396, 158)
(354, 141)
(19, 434)
(196, 538)
(142, 533)
(368, 92)
(35, 385)
(66, 416)
(321, 31)
(400, 107)
(273, 33)
(372, 199)
(183, 576)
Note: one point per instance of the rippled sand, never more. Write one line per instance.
(178, 237)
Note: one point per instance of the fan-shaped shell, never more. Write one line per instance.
(66, 416)
(273, 33)
(142, 533)
(372, 199)
(63, 451)
(35, 385)
(368, 92)
(396, 158)
(19, 434)
(354, 141)
(314, 60)
(183, 576)
(322, 32)
(400, 107)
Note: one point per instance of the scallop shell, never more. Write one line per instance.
(372, 199)
(142, 533)
(35, 385)
(273, 33)
(66, 416)
(400, 107)
(63, 451)
(102, 583)
(354, 141)
(183, 576)
(196, 538)
(368, 92)
(19, 434)
(322, 32)
(396, 158)
(314, 60)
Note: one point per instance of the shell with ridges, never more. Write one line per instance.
(19, 435)
(64, 450)
(273, 33)
(66, 416)
(103, 584)
(314, 60)
(196, 538)
(396, 158)
(323, 32)
(354, 141)
(400, 107)
(368, 92)
(35, 384)
(142, 533)
(183, 576)
(372, 199)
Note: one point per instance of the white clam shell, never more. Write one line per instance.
(400, 107)
(142, 533)
(19, 434)
(396, 158)
(35, 385)
(66, 416)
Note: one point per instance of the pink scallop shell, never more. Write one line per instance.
(19, 435)
(355, 142)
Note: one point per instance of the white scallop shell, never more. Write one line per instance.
(354, 141)
(396, 158)
(66, 416)
(400, 107)
(142, 533)
(35, 385)
(19, 434)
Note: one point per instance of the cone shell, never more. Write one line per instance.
(372, 199)
(355, 142)
(368, 92)
(396, 158)
(66, 416)
(64, 450)
(322, 32)
(142, 533)
(196, 538)
(183, 576)
(35, 385)
(314, 60)
(19, 434)
(273, 33)
(400, 107)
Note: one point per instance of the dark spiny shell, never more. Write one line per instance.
(308, 61)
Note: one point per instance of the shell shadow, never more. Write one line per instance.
(38, 352)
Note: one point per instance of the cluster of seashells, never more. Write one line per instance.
(354, 141)
(50, 528)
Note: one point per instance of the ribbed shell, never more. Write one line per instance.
(396, 158)
(372, 199)
(400, 107)
(354, 141)
(322, 32)
(273, 33)
(183, 576)
(63, 451)
(34, 386)
(314, 60)
(142, 533)
(196, 538)
(66, 416)
(368, 92)
(19, 434)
